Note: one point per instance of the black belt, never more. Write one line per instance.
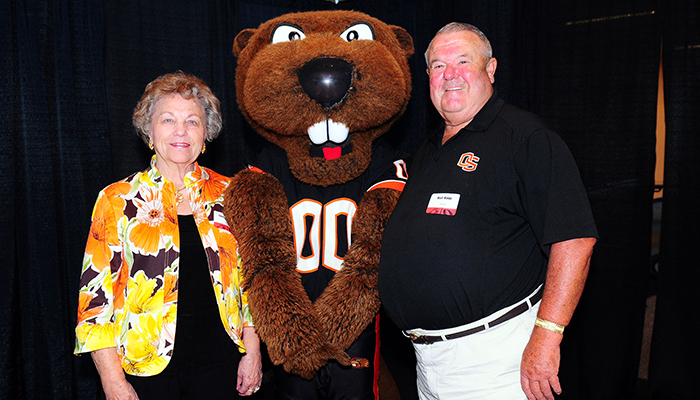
(425, 339)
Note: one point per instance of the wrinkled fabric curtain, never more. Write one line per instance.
(597, 84)
(72, 72)
(674, 369)
(54, 155)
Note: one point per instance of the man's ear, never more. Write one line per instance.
(491, 69)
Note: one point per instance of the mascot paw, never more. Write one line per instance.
(308, 361)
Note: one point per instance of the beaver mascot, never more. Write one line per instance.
(309, 213)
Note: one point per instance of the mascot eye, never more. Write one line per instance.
(358, 31)
(287, 33)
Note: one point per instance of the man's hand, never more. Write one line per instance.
(540, 365)
(566, 275)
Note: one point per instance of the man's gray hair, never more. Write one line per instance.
(453, 27)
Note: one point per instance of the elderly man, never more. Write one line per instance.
(486, 254)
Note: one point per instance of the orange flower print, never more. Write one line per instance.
(129, 286)
(115, 192)
(169, 288)
(227, 255)
(152, 222)
(83, 303)
(103, 231)
(119, 285)
(212, 189)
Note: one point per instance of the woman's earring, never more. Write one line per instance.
(204, 148)
(150, 145)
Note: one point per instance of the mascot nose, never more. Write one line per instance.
(326, 80)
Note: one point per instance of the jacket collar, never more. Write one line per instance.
(153, 177)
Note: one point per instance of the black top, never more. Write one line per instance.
(503, 190)
(201, 342)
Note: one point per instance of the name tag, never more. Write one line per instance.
(443, 204)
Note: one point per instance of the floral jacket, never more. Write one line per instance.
(129, 280)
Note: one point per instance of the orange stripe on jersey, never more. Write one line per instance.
(396, 185)
(255, 169)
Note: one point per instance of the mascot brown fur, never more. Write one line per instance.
(322, 86)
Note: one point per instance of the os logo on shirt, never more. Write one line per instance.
(468, 162)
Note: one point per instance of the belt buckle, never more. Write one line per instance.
(420, 339)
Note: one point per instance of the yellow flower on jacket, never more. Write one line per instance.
(169, 307)
(233, 310)
(101, 336)
(130, 301)
(142, 346)
(141, 297)
(168, 331)
(152, 221)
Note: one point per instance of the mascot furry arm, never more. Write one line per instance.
(351, 300)
(284, 316)
(327, 134)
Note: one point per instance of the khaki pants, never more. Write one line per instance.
(481, 366)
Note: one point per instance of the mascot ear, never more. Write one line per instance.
(405, 40)
(241, 40)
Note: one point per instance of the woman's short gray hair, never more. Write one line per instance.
(187, 86)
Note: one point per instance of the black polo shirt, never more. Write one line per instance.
(472, 230)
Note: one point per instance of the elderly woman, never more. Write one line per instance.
(161, 308)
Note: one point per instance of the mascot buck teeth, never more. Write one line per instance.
(309, 217)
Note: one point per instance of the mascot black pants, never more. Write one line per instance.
(334, 381)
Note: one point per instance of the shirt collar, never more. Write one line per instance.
(481, 120)
(487, 114)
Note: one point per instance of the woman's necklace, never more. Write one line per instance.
(179, 197)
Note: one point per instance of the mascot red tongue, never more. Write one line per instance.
(331, 153)
(322, 86)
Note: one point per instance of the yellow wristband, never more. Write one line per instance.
(549, 325)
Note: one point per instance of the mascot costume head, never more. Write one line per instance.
(322, 86)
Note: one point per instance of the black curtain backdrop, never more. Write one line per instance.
(597, 71)
(72, 71)
(674, 366)
(54, 155)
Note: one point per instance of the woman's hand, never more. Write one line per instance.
(120, 391)
(250, 367)
(114, 383)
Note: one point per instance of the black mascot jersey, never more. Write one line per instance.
(322, 216)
